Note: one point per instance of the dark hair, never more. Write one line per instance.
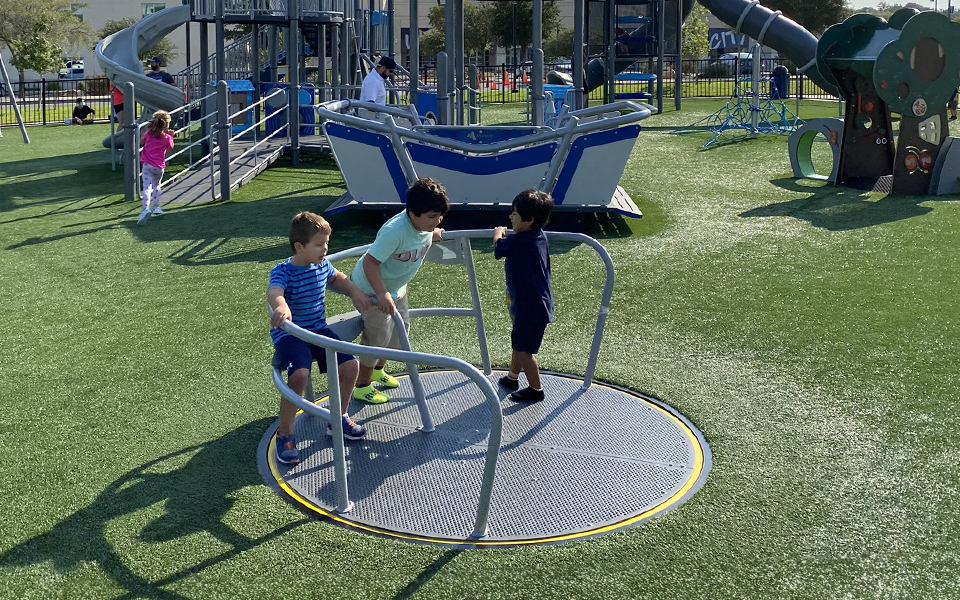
(427, 195)
(387, 62)
(534, 205)
(304, 226)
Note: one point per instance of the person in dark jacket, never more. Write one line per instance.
(529, 294)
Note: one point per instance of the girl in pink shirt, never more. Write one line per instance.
(156, 141)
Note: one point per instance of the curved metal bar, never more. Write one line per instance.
(605, 296)
(408, 357)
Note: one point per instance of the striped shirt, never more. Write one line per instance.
(304, 289)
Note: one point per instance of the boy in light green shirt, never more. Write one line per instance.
(384, 271)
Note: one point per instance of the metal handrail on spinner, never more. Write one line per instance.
(461, 253)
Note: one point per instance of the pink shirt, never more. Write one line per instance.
(154, 151)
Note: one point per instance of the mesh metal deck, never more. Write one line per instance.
(580, 463)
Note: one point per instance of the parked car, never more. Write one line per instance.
(733, 59)
(72, 69)
(71, 74)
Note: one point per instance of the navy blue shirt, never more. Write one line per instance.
(527, 268)
(161, 76)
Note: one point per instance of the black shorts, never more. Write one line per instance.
(117, 108)
(527, 337)
(294, 353)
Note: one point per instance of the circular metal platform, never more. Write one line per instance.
(578, 464)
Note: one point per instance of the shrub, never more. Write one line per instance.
(97, 86)
(716, 69)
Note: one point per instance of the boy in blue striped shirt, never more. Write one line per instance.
(296, 293)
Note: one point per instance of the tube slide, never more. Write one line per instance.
(769, 28)
(119, 58)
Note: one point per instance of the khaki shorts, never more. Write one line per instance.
(378, 329)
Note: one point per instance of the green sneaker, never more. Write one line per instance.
(384, 379)
(369, 394)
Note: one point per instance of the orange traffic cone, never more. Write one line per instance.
(493, 84)
(506, 79)
(523, 77)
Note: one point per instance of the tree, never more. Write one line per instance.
(477, 30)
(559, 45)
(506, 31)
(696, 38)
(27, 27)
(165, 49)
(814, 15)
(37, 53)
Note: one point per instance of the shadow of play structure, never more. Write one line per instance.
(909, 65)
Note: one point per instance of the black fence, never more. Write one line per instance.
(52, 101)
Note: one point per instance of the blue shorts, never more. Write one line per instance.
(295, 353)
(527, 337)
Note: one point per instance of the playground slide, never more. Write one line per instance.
(118, 56)
(760, 23)
(772, 29)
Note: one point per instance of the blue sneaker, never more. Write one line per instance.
(287, 449)
(351, 429)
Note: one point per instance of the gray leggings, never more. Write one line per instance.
(151, 185)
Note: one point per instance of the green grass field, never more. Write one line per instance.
(809, 331)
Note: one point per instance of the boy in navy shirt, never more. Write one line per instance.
(529, 295)
(296, 293)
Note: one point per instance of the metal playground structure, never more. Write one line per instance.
(447, 462)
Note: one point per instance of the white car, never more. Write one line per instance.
(743, 59)
(73, 69)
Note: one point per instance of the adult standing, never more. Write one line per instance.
(373, 88)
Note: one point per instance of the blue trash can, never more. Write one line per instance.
(780, 85)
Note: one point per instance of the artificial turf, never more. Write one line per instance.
(808, 330)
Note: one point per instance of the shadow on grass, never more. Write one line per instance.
(69, 179)
(839, 208)
(196, 486)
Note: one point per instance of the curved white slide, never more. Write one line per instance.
(119, 58)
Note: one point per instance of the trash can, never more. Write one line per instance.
(780, 84)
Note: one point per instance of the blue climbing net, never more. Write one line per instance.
(735, 121)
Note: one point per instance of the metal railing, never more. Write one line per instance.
(462, 254)
(207, 9)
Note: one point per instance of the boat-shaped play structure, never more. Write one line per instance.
(381, 150)
(449, 460)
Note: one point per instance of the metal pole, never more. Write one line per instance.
(130, 143)
(221, 53)
(336, 424)
(204, 79)
(255, 63)
(474, 113)
(13, 100)
(293, 71)
(459, 61)
(335, 53)
(661, 32)
(578, 49)
(467, 252)
(414, 50)
(537, 76)
(443, 100)
(223, 137)
(391, 43)
(322, 61)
